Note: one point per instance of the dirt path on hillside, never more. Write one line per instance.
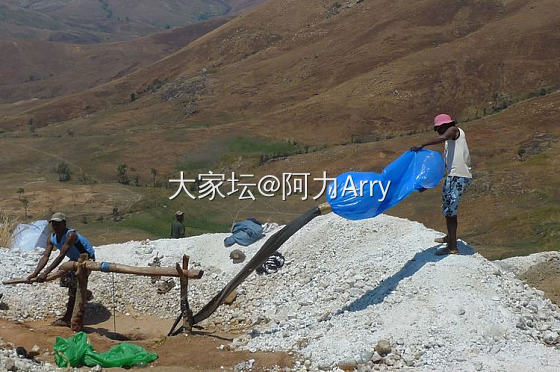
(199, 352)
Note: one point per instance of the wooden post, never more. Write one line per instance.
(81, 294)
(184, 282)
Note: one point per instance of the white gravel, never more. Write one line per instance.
(345, 286)
(520, 265)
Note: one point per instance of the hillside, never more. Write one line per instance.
(391, 71)
(315, 87)
(43, 69)
(94, 21)
(345, 286)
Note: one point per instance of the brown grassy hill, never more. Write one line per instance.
(289, 77)
(378, 66)
(237, 6)
(42, 69)
(93, 21)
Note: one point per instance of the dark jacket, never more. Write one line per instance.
(177, 230)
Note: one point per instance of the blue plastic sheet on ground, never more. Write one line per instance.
(359, 195)
(244, 233)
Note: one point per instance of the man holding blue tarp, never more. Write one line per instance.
(459, 176)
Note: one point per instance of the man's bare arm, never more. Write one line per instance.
(43, 261)
(450, 134)
(70, 240)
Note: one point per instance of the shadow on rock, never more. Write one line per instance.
(387, 286)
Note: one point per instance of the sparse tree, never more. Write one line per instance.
(520, 153)
(122, 172)
(20, 192)
(31, 126)
(132, 97)
(154, 173)
(63, 171)
(25, 203)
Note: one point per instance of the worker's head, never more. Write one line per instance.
(58, 222)
(179, 215)
(442, 122)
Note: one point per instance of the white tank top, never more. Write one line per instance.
(457, 157)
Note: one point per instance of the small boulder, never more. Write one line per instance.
(376, 358)
(20, 350)
(10, 365)
(237, 256)
(35, 350)
(383, 347)
(348, 365)
(165, 286)
(551, 338)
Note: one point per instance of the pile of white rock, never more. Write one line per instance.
(11, 361)
(363, 295)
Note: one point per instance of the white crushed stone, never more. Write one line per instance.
(520, 265)
(10, 361)
(345, 286)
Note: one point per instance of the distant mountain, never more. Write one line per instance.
(45, 69)
(92, 21)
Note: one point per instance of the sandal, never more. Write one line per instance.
(441, 240)
(446, 250)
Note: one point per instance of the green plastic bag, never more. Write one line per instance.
(75, 351)
(71, 351)
(122, 355)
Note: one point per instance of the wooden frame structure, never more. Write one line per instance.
(83, 267)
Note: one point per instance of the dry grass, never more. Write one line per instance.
(7, 225)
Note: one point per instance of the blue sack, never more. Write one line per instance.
(359, 195)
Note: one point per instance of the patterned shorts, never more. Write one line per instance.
(69, 281)
(453, 188)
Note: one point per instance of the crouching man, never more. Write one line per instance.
(70, 244)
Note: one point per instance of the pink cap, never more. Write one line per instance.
(442, 119)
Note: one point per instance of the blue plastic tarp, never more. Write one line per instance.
(359, 195)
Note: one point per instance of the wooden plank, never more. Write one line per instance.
(113, 268)
(52, 276)
(146, 271)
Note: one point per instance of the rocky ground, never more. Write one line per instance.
(11, 361)
(364, 295)
(540, 270)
